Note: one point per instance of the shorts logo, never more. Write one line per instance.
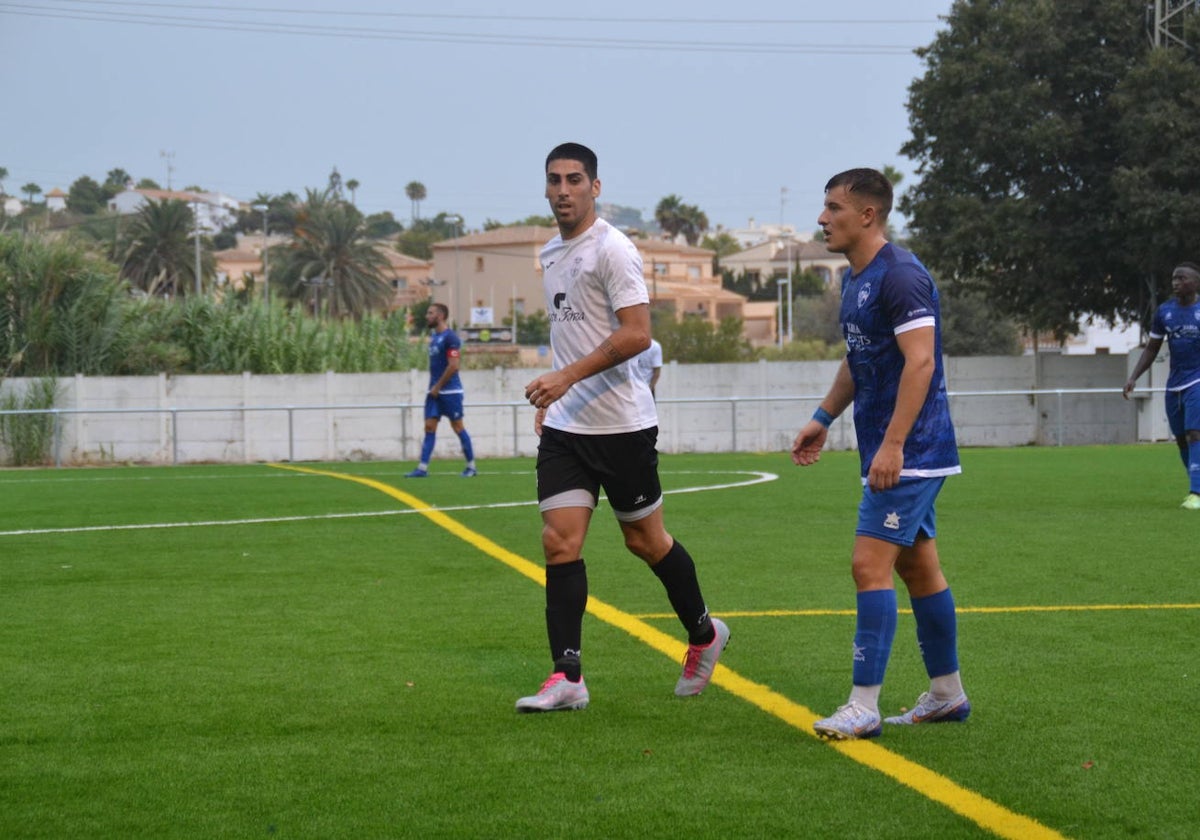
(892, 520)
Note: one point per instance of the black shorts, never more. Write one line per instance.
(572, 468)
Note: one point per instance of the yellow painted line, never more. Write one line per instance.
(980, 810)
(959, 610)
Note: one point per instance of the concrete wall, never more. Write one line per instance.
(703, 408)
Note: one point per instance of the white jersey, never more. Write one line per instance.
(648, 360)
(587, 279)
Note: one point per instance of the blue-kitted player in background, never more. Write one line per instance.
(445, 396)
(1178, 321)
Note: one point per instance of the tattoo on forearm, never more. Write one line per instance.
(606, 347)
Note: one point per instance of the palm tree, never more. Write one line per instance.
(3, 175)
(415, 191)
(330, 252)
(352, 185)
(31, 189)
(675, 217)
(695, 223)
(159, 254)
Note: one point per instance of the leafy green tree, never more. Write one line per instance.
(694, 340)
(420, 237)
(1039, 185)
(1157, 201)
(970, 328)
(147, 184)
(807, 283)
(330, 257)
(531, 329)
(723, 243)
(818, 318)
(117, 180)
(416, 193)
(159, 252)
(85, 196)
(379, 225)
(31, 189)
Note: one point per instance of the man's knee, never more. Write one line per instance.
(560, 546)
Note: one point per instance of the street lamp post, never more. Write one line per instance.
(266, 271)
(196, 225)
(457, 220)
(780, 282)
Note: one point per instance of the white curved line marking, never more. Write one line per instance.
(755, 477)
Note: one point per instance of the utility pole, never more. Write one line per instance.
(168, 156)
(1165, 22)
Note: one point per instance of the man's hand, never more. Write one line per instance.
(547, 388)
(538, 417)
(806, 449)
(884, 473)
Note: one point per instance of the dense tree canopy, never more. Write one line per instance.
(1057, 156)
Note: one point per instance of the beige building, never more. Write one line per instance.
(779, 257)
(499, 269)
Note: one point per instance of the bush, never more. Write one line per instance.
(28, 437)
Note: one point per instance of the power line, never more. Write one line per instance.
(474, 17)
(476, 38)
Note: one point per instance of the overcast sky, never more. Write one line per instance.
(744, 109)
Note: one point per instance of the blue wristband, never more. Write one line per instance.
(823, 417)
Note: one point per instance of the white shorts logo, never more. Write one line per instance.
(892, 520)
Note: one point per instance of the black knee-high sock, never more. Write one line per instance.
(566, 600)
(678, 574)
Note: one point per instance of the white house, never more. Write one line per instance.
(12, 205)
(214, 211)
(56, 200)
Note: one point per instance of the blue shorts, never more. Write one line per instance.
(900, 514)
(1183, 410)
(444, 405)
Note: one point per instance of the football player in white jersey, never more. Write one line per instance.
(599, 429)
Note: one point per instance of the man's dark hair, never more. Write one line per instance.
(869, 183)
(577, 152)
(441, 307)
(1190, 266)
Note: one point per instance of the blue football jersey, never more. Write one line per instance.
(444, 346)
(1180, 326)
(895, 293)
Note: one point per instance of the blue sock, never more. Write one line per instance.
(427, 448)
(937, 632)
(1193, 466)
(468, 450)
(873, 635)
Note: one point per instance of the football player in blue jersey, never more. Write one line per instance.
(445, 395)
(1178, 321)
(893, 376)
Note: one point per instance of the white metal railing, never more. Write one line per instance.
(516, 408)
